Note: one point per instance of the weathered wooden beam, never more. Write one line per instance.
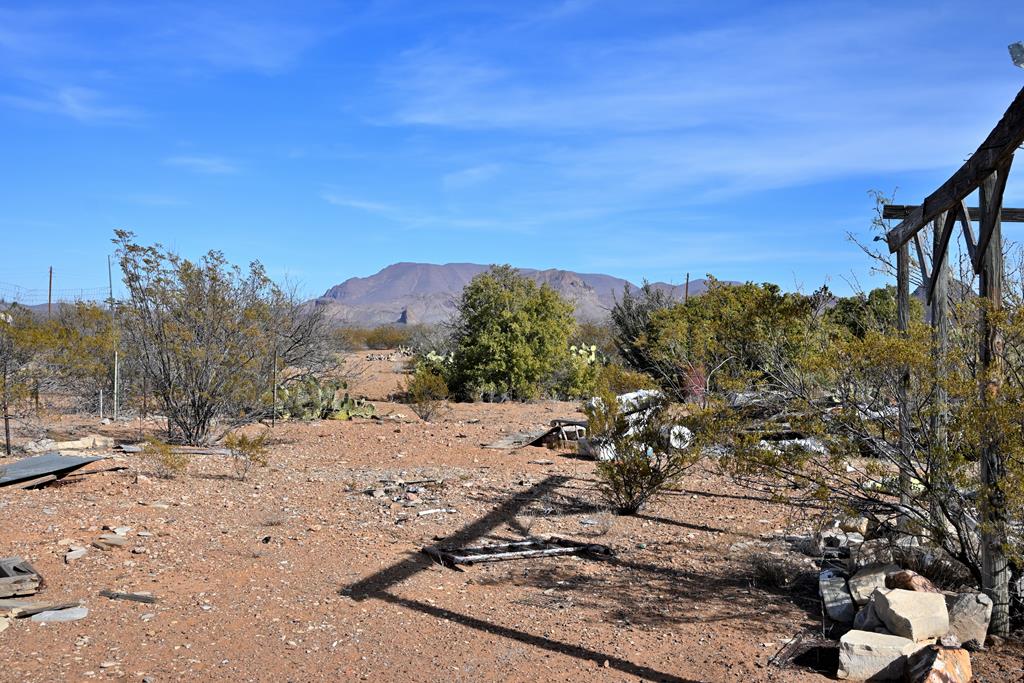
(940, 257)
(995, 568)
(901, 211)
(992, 206)
(965, 223)
(903, 324)
(999, 146)
(922, 263)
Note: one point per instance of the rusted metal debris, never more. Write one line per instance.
(519, 550)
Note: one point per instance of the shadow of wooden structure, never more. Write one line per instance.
(986, 171)
(379, 587)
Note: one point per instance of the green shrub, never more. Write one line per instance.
(616, 379)
(510, 336)
(426, 392)
(165, 461)
(387, 337)
(247, 451)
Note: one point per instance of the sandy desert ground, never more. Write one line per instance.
(298, 574)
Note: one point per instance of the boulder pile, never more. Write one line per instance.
(902, 627)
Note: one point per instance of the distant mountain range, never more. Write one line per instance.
(410, 293)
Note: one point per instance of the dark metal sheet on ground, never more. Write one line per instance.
(41, 465)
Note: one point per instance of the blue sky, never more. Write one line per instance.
(642, 139)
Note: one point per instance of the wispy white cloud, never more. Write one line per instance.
(469, 177)
(210, 165)
(82, 104)
(156, 200)
(777, 100)
(360, 204)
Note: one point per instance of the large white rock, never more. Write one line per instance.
(871, 577)
(867, 656)
(969, 615)
(910, 614)
(836, 597)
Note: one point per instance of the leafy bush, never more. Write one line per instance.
(616, 379)
(510, 335)
(387, 337)
(722, 340)
(247, 451)
(165, 461)
(426, 392)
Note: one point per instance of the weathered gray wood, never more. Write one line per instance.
(903, 324)
(134, 597)
(940, 254)
(1000, 144)
(519, 550)
(939, 299)
(922, 262)
(26, 608)
(968, 230)
(900, 211)
(29, 483)
(991, 214)
(994, 537)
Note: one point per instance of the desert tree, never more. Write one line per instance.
(211, 339)
(26, 345)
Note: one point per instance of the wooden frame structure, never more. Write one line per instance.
(986, 171)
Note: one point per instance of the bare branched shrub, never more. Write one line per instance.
(210, 339)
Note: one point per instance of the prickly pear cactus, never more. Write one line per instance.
(312, 399)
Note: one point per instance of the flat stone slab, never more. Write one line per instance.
(61, 615)
(911, 614)
(867, 656)
(836, 597)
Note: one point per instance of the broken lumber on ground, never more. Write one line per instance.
(18, 577)
(133, 597)
(27, 608)
(560, 430)
(519, 550)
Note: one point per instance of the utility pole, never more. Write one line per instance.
(686, 290)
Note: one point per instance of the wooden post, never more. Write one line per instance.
(686, 290)
(273, 414)
(940, 349)
(994, 563)
(903, 325)
(7, 415)
(49, 295)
